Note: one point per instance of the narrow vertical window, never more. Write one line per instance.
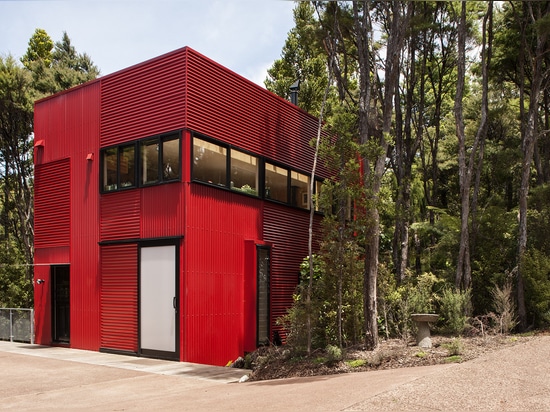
(110, 171)
(149, 154)
(127, 166)
(299, 185)
(276, 183)
(318, 188)
(244, 172)
(171, 158)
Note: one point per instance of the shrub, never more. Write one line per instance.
(334, 353)
(455, 347)
(505, 310)
(455, 308)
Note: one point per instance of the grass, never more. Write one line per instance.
(454, 359)
(356, 363)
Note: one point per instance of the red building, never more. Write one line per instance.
(171, 211)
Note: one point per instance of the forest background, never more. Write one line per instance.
(437, 117)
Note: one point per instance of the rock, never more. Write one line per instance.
(244, 379)
(239, 363)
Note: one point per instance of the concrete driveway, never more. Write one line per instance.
(43, 378)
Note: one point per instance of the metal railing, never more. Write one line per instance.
(17, 325)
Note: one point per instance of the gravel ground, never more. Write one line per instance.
(514, 378)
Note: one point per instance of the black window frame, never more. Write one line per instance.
(138, 162)
(261, 190)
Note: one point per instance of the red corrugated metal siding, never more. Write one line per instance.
(144, 100)
(219, 222)
(162, 211)
(287, 230)
(52, 219)
(242, 113)
(119, 297)
(120, 215)
(82, 120)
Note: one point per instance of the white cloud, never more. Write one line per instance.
(244, 35)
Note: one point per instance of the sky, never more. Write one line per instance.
(246, 36)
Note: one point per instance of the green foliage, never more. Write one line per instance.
(398, 303)
(356, 363)
(47, 68)
(63, 67)
(39, 50)
(536, 276)
(334, 353)
(455, 308)
(455, 347)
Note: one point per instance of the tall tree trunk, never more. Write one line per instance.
(529, 139)
(406, 148)
(486, 54)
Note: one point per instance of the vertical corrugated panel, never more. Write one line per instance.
(287, 230)
(120, 215)
(61, 132)
(219, 222)
(52, 194)
(162, 211)
(66, 199)
(144, 100)
(82, 131)
(119, 297)
(242, 113)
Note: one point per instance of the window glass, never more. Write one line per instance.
(318, 188)
(149, 161)
(209, 162)
(244, 172)
(276, 183)
(299, 186)
(110, 169)
(171, 158)
(127, 166)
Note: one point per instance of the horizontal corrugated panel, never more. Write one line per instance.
(52, 219)
(120, 215)
(119, 297)
(288, 231)
(244, 114)
(144, 100)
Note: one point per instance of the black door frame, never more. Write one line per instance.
(60, 276)
(263, 340)
(158, 354)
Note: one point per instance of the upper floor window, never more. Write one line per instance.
(276, 182)
(209, 162)
(149, 161)
(227, 167)
(244, 172)
(299, 187)
(119, 167)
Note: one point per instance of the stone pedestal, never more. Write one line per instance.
(423, 321)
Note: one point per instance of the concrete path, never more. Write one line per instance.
(35, 378)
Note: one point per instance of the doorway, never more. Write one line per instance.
(158, 301)
(61, 301)
(263, 295)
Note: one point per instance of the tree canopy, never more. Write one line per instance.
(46, 68)
(441, 115)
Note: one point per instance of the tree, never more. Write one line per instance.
(39, 50)
(58, 69)
(16, 120)
(44, 71)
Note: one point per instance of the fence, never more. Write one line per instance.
(17, 325)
